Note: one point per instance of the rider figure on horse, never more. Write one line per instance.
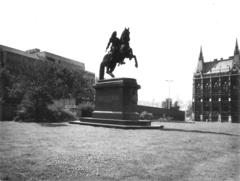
(115, 47)
(120, 49)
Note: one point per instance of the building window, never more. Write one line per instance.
(225, 107)
(225, 86)
(50, 59)
(234, 97)
(198, 88)
(197, 98)
(215, 107)
(234, 107)
(234, 88)
(206, 98)
(206, 107)
(215, 87)
(215, 98)
(198, 107)
(224, 98)
(234, 83)
(206, 87)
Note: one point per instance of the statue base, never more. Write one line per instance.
(116, 99)
(114, 123)
(116, 105)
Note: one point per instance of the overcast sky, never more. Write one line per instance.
(166, 36)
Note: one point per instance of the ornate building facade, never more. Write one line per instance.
(216, 93)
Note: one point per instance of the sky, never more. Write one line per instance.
(166, 36)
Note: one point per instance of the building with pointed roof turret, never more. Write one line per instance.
(216, 93)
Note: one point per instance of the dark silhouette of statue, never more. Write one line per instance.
(119, 50)
(115, 45)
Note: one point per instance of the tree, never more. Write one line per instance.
(5, 82)
(67, 83)
(189, 110)
(82, 86)
(37, 86)
(5, 77)
(31, 86)
(165, 104)
(175, 106)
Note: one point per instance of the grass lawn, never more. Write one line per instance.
(180, 151)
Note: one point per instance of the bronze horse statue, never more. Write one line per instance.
(125, 51)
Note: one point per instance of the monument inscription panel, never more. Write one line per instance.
(108, 98)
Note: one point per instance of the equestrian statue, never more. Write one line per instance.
(119, 50)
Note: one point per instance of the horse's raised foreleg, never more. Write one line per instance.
(135, 59)
(133, 56)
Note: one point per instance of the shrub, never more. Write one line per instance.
(58, 114)
(25, 113)
(161, 119)
(87, 109)
(167, 119)
(50, 114)
(147, 116)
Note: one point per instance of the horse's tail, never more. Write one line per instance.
(101, 71)
(104, 63)
(102, 66)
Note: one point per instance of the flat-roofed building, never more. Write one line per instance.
(61, 60)
(13, 58)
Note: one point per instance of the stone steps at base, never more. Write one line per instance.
(115, 125)
(115, 121)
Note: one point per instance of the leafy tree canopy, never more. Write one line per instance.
(37, 86)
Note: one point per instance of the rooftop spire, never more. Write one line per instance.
(236, 51)
(200, 61)
(201, 55)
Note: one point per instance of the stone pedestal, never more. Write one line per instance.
(116, 106)
(116, 99)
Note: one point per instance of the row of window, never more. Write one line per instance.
(216, 107)
(216, 98)
(51, 59)
(16, 64)
(215, 118)
(68, 64)
(215, 88)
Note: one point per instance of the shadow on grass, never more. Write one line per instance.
(197, 131)
(53, 124)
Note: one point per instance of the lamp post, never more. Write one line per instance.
(169, 81)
